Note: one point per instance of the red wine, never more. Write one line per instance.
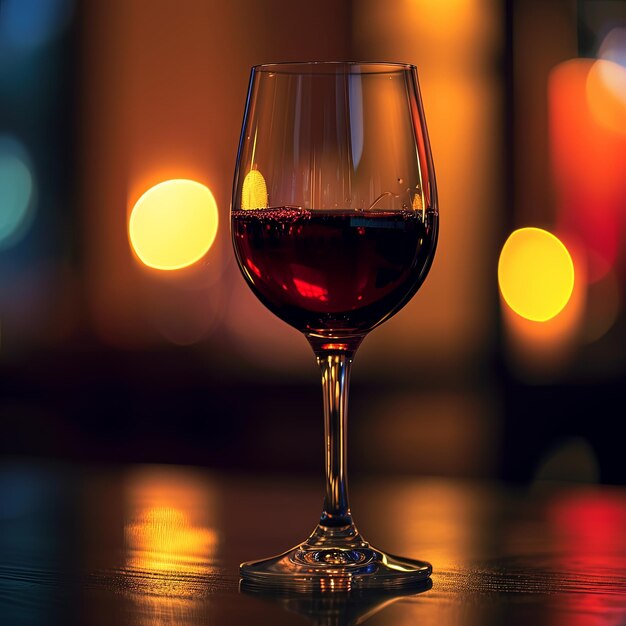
(334, 273)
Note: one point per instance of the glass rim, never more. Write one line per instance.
(334, 67)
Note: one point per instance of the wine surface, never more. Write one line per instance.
(334, 273)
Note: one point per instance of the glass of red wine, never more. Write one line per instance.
(334, 223)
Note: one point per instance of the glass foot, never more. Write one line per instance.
(335, 566)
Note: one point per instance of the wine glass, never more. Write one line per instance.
(334, 223)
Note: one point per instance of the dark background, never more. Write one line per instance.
(102, 359)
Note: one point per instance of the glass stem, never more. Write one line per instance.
(335, 367)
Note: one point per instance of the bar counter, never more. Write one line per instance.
(161, 544)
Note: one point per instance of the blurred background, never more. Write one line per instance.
(108, 358)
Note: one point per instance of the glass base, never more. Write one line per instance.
(335, 560)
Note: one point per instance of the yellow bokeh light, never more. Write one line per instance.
(535, 274)
(173, 224)
(254, 191)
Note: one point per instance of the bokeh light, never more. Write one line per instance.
(571, 460)
(613, 46)
(587, 157)
(31, 23)
(540, 352)
(16, 191)
(606, 95)
(173, 224)
(254, 191)
(535, 274)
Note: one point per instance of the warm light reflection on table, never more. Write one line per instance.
(170, 542)
(173, 538)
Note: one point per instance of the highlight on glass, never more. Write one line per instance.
(334, 223)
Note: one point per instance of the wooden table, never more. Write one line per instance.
(148, 545)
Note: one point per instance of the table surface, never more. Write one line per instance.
(157, 544)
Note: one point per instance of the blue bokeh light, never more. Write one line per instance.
(32, 23)
(17, 191)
